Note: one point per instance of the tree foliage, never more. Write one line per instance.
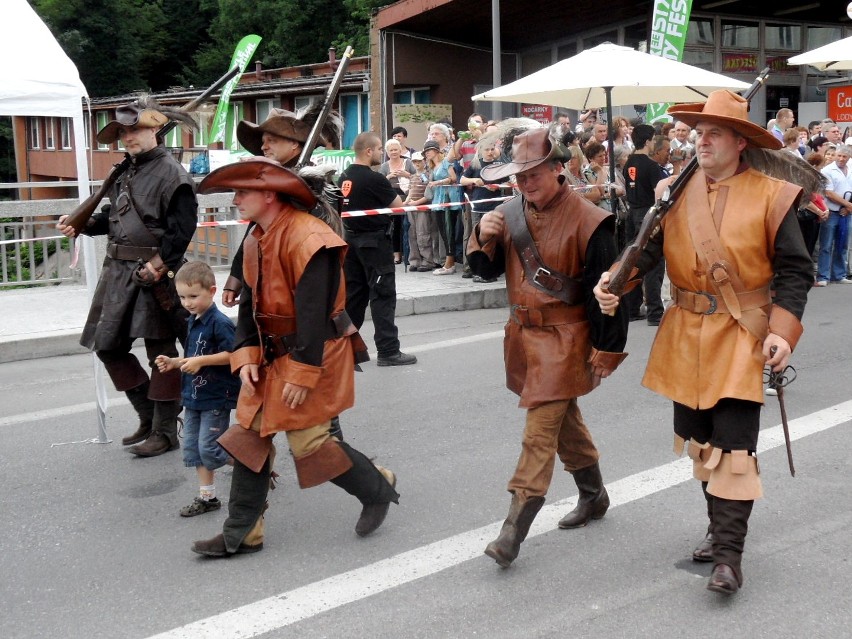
(120, 46)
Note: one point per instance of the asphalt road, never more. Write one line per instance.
(94, 547)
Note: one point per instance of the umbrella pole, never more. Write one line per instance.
(608, 92)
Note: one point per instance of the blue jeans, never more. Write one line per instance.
(833, 234)
(201, 429)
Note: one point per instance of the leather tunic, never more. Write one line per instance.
(698, 359)
(120, 308)
(273, 264)
(548, 363)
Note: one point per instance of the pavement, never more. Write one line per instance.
(47, 321)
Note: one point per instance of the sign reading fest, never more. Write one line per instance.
(668, 36)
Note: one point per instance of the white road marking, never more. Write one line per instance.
(447, 343)
(296, 605)
(63, 411)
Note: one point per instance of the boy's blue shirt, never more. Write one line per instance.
(213, 387)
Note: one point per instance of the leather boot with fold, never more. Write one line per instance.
(374, 487)
(144, 408)
(730, 526)
(504, 550)
(704, 550)
(164, 436)
(593, 501)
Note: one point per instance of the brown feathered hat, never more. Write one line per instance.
(728, 109)
(529, 149)
(259, 174)
(142, 112)
(293, 126)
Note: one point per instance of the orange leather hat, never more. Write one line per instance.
(259, 174)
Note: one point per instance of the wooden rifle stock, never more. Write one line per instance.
(651, 222)
(328, 101)
(79, 217)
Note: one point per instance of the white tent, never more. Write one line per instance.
(37, 78)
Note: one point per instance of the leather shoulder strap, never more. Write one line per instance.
(562, 287)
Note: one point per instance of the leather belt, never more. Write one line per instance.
(131, 253)
(548, 316)
(278, 333)
(708, 304)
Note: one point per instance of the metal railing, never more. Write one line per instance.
(33, 253)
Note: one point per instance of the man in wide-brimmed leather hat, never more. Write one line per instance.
(149, 225)
(732, 232)
(295, 354)
(558, 345)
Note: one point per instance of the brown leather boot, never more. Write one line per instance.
(730, 526)
(593, 502)
(215, 547)
(164, 436)
(504, 550)
(144, 408)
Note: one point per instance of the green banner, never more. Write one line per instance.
(668, 36)
(242, 54)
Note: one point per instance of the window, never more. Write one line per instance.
(201, 135)
(174, 138)
(302, 101)
(698, 58)
(700, 33)
(783, 37)
(50, 133)
(235, 114)
(356, 116)
(412, 96)
(742, 35)
(264, 107)
(65, 137)
(818, 36)
(101, 119)
(33, 133)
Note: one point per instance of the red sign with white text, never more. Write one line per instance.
(838, 102)
(538, 112)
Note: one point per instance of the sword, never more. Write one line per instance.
(778, 381)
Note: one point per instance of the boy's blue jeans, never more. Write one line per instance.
(201, 429)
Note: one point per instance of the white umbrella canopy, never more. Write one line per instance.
(611, 75)
(834, 56)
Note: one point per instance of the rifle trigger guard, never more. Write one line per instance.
(712, 299)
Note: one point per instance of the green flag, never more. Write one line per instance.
(668, 36)
(242, 54)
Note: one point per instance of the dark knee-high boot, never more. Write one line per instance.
(730, 526)
(504, 550)
(164, 435)
(373, 485)
(704, 550)
(242, 531)
(593, 501)
(144, 408)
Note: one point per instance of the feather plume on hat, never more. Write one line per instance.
(329, 195)
(331, 135)
(504, 133)
(786, 166)
(145, 101)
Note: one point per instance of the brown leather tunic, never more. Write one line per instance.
(273, 264)
(698, 359)
(548, 363)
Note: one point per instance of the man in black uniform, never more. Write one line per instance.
(641, 174)
(369, 265)
(149, 222)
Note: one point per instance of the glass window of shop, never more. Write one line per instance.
(700, 33)
(536, 61)
(740, 34)
(819, 36)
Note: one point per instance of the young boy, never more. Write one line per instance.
(422, 230)
(209, 389)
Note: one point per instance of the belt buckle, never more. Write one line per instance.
(713, 303)
(514, 309)
(540, 271)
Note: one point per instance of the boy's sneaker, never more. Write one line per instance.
(200, 506)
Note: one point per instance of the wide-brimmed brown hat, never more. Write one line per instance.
(129, 115)
(259, 174)
(280, 122)
(529, 149)
(729, 109)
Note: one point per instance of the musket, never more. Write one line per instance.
(620, 275)
(328, 102)
(778, 381)
(78, 218)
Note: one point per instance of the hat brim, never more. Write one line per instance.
(259, 174)
(755, 134)
(498, 171)
(147, 118)
(250, 135)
